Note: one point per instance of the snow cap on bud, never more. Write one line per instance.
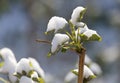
(9, 63)
(80, 24)
(37, 67)
(88, 74)
(58, 40)
(82, 28)
(70, 77)
(9, 60)
(23, 65)
(96, 69)
(77, 14)
(91, 35)
(56, 23)
(25, 79)
(34, 75)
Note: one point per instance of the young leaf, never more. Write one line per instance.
(75, 71)
(81, 15)
(30, 73)
(18, 75)
(1, 64)
(64, 49)
(83, 37)
(95, 37)
(49, 54)
(41, 80)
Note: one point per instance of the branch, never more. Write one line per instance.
(43, 41)
(81, 65)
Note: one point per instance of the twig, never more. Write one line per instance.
(81, 65)
(43, 41)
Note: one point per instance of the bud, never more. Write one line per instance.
(56, 23)
(58, 40)
(88, 74)
(37, 67)
(9, 63)
(77, 14)
(90, 35)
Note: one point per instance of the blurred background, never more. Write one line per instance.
(24, 21)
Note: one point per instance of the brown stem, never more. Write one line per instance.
(44, 41)
(81, 65)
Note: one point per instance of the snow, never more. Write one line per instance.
(23, 65)
(9, 63)
(88, 61)
(25, 79)
(37, 67)
(56, 23)
(76, 14)
(58, 39)
(9, 60)
(96, 69)
(87, 72)
(34, 75)
(81, 30)
(90, 32)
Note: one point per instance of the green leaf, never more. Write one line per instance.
(71, 24)
(30, 63)
(30, 73)
(49, 32)
(23, 72)
(75, 72)
(83, 37)
(18, 75)
(90, 78)
(1, 64)
(69, 35)
(35, 79)
(46, 33)
(86, 79)
(72, 27)
(41, 80)
(81, 15)
(49, 54)
(95, 37)
(38, 80)
(64, 49)
(1, 61)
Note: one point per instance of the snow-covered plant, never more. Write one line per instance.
(73, 40)
(27, 70)
(8, 63)
(25, 79)
(58, 40)
(91, 70)
(30, 69)
(88, 74)
(56, 23)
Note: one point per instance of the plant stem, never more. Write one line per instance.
(81, 65)
(43, 41)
